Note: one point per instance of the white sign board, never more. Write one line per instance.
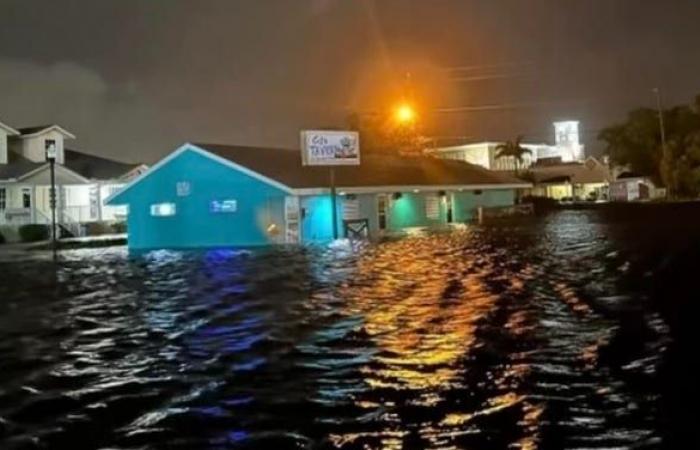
(330, 148)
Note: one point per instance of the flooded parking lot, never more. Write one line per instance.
(572, 330)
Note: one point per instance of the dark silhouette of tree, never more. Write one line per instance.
(636, 144)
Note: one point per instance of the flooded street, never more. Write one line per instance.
(573, 330)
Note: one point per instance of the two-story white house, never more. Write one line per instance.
(83, 181)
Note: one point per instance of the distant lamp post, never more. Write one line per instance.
(51, 158)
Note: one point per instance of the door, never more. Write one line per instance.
(448, 207)
(291, 219)
(382, 211)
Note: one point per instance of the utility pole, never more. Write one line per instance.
(662, 128)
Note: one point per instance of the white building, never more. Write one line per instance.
(567, 148)
(83, 181)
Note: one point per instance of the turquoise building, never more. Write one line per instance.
(205, 195)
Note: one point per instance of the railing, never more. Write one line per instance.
(71, 224)
(81, 213)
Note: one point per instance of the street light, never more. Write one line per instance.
(51, 158)
(405, 114)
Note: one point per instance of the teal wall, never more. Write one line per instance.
(258, 205)
(317, 224)
(409, 211)
(465, 203)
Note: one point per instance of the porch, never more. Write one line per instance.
(76, 205)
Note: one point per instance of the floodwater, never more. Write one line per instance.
(573, 330)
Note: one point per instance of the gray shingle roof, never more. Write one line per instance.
(17, 166)
(88, 166)
(285, 167)
(96, 167)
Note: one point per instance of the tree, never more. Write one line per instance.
(513, 149)
(636, 144)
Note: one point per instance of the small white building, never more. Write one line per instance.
(630, 187)
(567, 148)
(83, 181)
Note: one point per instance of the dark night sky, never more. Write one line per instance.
(134, 79)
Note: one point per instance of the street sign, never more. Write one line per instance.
(330, 148)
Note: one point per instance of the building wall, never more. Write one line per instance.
(3, 146)
(317, 224)
(258, 219)
(410, 211)
(34, 149)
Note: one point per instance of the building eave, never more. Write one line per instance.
(58, 167)
(9, 130)
(410, 188)
(58, 128)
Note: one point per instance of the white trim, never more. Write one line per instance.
(61, 130)
(412, 188)
(191, 147)
(58, 167)
(10, 131)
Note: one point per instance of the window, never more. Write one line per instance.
(432, 207)
(183, 188)
(163, 209)
(3, 198)
(26, 198)
(223, 206)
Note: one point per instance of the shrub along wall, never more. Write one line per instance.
(34, 233)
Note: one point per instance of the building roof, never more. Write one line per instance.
(40, 129)
(8, 129)
(96, 167)
(17, 165)
(87, 166)
(590, 171)
(284, 166)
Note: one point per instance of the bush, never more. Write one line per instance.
(97, 228)
(34, 233)
(119, 227)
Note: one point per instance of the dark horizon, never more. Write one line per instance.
(134, 79)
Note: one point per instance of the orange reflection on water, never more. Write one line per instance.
(422, 315)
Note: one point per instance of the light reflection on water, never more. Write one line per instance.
(483, 338)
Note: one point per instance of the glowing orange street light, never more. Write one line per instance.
(405, 114)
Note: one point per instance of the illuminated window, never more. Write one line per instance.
(163, 209)
(223, 206)
(183, 188)
(432, 207)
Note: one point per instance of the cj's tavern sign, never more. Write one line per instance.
(330, 148)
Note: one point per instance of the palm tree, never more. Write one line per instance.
(513, 149)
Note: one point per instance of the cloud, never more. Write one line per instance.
(111, 120)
